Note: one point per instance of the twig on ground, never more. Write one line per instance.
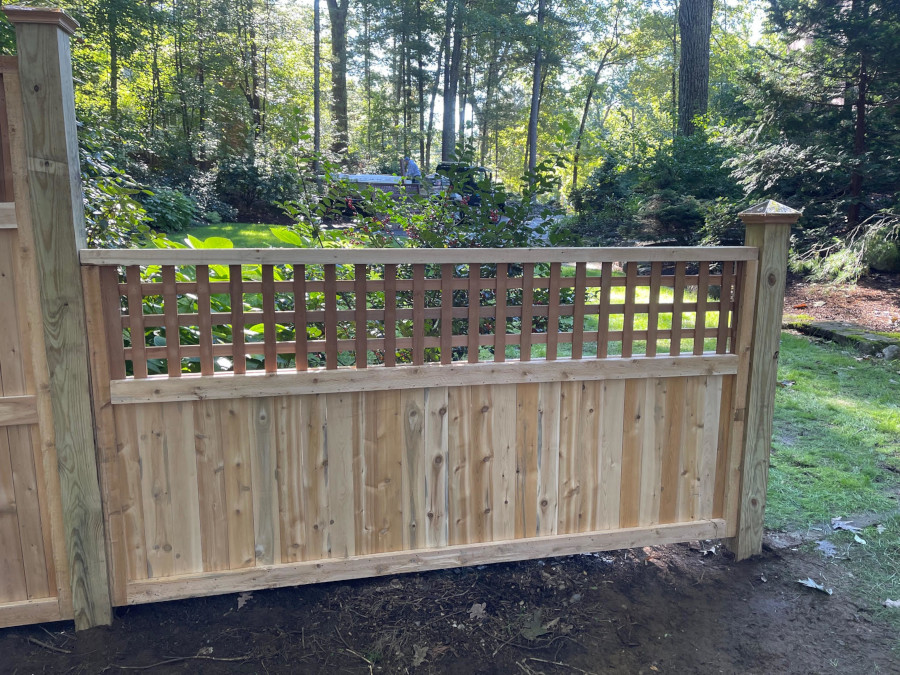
(560, 664)
(41, 643)
(355, 653)
(178, 659)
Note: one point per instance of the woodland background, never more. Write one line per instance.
(649, 121)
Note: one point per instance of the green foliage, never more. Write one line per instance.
(170, 210)
(255, 185)
(113, 216)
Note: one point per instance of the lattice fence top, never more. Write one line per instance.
(233, 316)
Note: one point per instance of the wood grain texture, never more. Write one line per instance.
(464, 555)
(387, 256)
(772, 240)
(58, 226)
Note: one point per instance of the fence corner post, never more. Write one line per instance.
(768, 228)
(55, 192)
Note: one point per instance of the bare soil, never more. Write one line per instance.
(874, 302)
(673, 609)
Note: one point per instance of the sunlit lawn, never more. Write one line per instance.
(242, 235)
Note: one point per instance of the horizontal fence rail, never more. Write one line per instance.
(396, 307)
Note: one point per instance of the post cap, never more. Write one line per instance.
(46, 15)
(770, 211)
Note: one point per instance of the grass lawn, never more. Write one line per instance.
(836, 452)
(242, 235)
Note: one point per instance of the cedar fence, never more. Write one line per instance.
(244, 419)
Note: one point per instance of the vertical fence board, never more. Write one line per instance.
(706, 462)
(500, 313)
(437, 462)
(236, 297)
(553, 301)
(209, 445)
(268, 308)
(527, 311)
(360, 278)
(313, 456)
(603, 310)
(632, 446)
(135, 320)
(129, 475)
(331, 327)
(611, 439)
(170, 310)
(204, 321)
(570, 467)
(289, 472)
(264, 487)
(548, 458)
(412, 403)
(342, 432)
(652, 448)
(474, 295)
(700, 320)
(446, 313)
(238, 484)
(301, 351)
(527, 431)
(418, 315)
(653, 313)
(692, 438)
(461, 410)
(503, 470)
(677, 309)
(390, 315)
(12, 569)
(628, 310)
(671, 459)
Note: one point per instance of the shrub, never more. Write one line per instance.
(255, 185)
(171, 210)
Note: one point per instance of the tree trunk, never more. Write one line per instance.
(337, 13)
(695, 23)
(426, 164)
(113, 67)
(451, 78)
(317, 85)
(859, 145)
(674, 84)
(535, 94)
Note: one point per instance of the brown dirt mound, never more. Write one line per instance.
(666, 610)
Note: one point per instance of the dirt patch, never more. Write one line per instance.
(665, 610)
(874, 302)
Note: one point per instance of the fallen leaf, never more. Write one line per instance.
(819, 303)
(762, 578)
(476, 611)
(827, 548)
(802, 305)
(859, 540)
(839, 524)
(534, 628)
(812, 584)
(893, 604)
(419, 655)
(880, 529)
(243, 599)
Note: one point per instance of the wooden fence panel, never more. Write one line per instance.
(33, 571)
(339, 476)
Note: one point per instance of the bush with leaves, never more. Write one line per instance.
(255, 185)
(171, 210)
(114, 218)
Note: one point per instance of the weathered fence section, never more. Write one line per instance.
(485, 397)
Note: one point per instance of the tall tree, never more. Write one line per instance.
(317, 85)
(453, 25)
(695, 24)
(536, 81)
(337, 13)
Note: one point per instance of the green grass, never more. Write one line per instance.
(837, 432)
(242, 235)
(836, 452)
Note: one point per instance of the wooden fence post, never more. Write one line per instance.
(768, 227)
(54, 178)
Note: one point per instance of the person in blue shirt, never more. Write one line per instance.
(412, 169)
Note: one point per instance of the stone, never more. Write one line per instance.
(891, 352)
